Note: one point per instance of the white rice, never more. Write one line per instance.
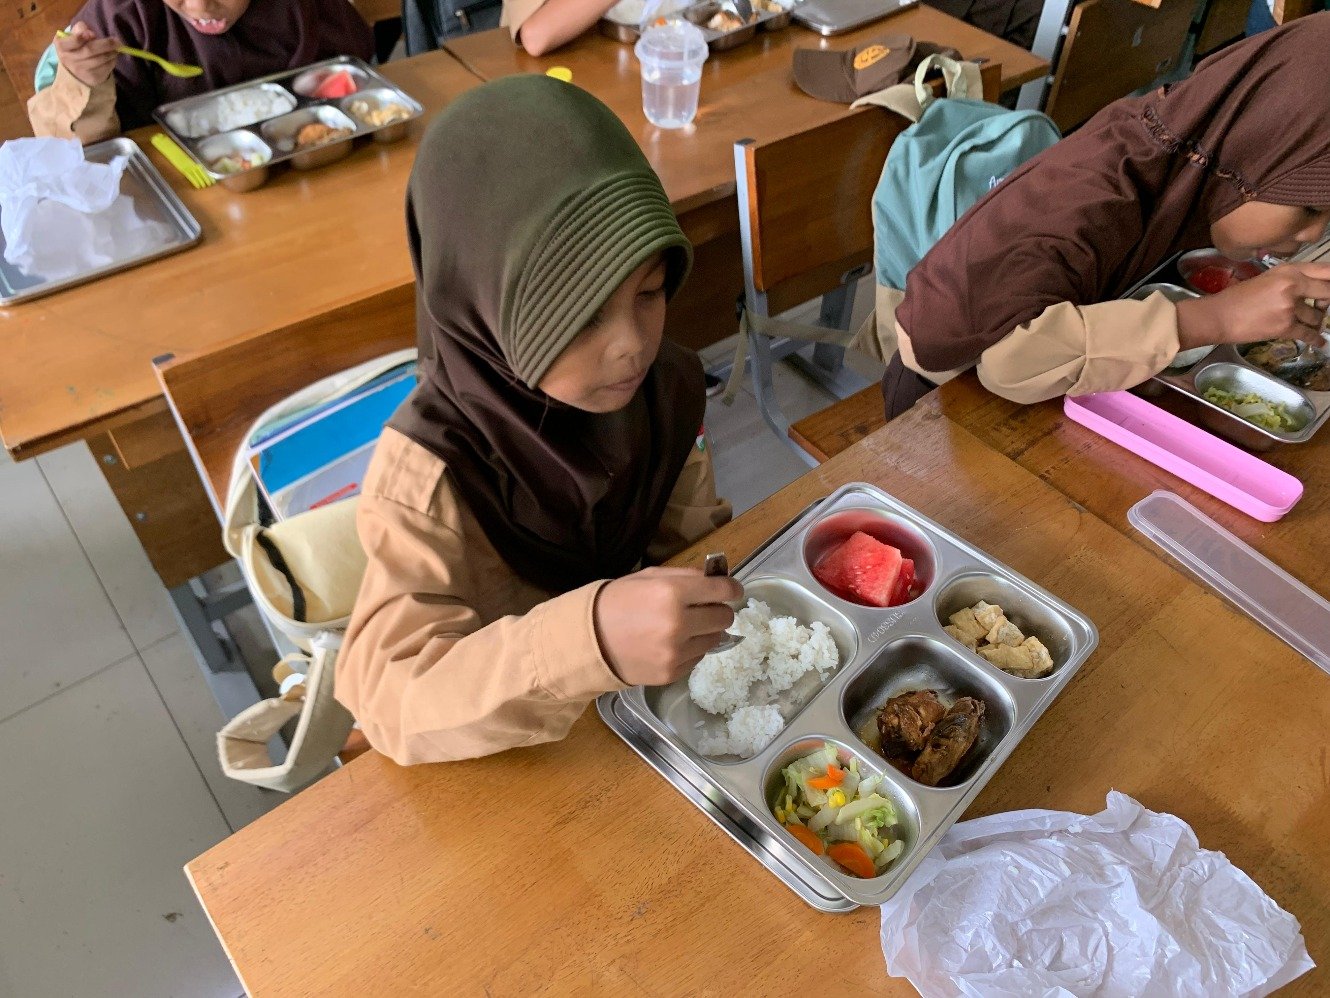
(748, 731)
(230, 111)
(779, 655)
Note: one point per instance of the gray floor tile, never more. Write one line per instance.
(751, 463)
(100, 816)
(48, 589)
(176, 673)
(125, 572)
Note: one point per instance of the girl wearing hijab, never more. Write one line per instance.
(87, 91)
(1023, 287)
(553, 442)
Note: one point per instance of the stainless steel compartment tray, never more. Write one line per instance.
(153, 201)
(1191, 382)
(698, 13)
(911, 631)
(286, 80)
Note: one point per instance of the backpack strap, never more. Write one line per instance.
(961, 79)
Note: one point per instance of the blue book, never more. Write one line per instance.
(324, 440)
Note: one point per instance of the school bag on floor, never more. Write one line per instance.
(956, 151)
(303, 573)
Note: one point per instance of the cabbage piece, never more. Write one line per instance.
(824, 817)
(883, 859)
(865, 806)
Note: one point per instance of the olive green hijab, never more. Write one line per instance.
(529, 204)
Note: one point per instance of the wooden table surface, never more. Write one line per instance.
(575, 868)
(298, 247)
(78, 362)
(747, 93)
(1108, 479)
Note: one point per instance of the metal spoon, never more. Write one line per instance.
(715, 566)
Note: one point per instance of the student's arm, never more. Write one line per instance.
(1073, 350)
(70, 109)
(541, 27)
(428, 682)
(694, 510)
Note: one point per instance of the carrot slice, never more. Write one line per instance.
(854, 858)
(834, 778)
(807, 837)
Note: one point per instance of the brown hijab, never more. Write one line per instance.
(529, 204)
(1085, 220)
(272, 35)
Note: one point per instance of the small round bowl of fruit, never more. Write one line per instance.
(870, 557)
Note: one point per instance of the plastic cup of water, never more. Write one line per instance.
(671, 56)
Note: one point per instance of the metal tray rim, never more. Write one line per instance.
(381, 82)
(188, 228)
(948, 803)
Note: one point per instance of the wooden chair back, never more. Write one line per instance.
(807, 201)
(215, 396)
(25, 30)
(1112, 48)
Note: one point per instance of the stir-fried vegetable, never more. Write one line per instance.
(832, 805)
(1253, 408)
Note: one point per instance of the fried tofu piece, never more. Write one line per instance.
(1042, 659)
(965, 627)
(964, 637)
(1004, 632)
(988, 615)
(1023, 660)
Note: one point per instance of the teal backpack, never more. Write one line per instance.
(956, 152)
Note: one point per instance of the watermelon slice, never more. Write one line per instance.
(1213, 279)
(339, 84)
(903, 592)
(866, 570)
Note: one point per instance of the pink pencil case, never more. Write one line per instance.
(1228, 473)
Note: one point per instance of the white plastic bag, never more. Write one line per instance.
(62, 215)
(1120, 903)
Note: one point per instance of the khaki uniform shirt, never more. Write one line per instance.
(451, 655)
(68, 109)
(1066, 350)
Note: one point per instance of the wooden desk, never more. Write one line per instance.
(299, 247)
(1108, 480)
(747, 93)
(382, 879)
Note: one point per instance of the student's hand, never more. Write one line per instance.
(87, 58)
(1271, 306)
(656, 624)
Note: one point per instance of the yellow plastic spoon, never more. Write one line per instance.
(173, 68)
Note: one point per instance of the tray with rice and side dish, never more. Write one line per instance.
(308, 117)
(887, 669)
(1258, 395)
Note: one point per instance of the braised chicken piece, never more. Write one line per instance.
(1273, 354)
(906, 721)
(953, 737)
(1319, 379)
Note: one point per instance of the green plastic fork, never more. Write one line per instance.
(172, 68)
(197, 176)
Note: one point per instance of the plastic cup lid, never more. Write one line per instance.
(677, 42)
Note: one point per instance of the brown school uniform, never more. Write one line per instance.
(450, 654)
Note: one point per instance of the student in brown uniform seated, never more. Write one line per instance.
(1024, 286)
(552, 448)
(86, 91)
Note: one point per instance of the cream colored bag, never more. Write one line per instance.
(303, 573)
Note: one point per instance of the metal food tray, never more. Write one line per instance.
(275, 134)
(1226, 368)
(698, 14)
(884, 652)
(154, 201)
(835, 17)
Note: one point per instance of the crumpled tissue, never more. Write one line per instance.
(1120, 903)
(62, 215)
